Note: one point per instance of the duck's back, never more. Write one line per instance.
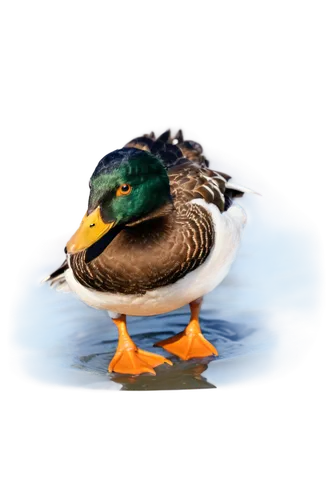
(188, 170)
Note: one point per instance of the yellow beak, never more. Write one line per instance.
(91, 229)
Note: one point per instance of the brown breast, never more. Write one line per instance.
(151, 254)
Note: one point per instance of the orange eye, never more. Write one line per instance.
(123, 190)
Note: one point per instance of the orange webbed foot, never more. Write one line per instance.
(190, 343)
(136, 361)
(187, 345)
(129, 358)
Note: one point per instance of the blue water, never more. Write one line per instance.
(254, 318)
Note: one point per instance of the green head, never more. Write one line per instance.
(127, 185)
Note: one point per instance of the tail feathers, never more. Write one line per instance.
(170, 148)
(232, 186)
(57, 279)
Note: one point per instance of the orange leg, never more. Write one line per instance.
(129, 358)
(190, 343)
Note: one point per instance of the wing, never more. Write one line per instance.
(189, 181)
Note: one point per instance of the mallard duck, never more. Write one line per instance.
(161, 231)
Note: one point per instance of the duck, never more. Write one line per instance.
(161, 230)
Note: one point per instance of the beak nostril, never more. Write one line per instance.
(92, 225)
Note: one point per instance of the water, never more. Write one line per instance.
(67, 342)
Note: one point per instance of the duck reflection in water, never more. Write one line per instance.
(181, 375)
